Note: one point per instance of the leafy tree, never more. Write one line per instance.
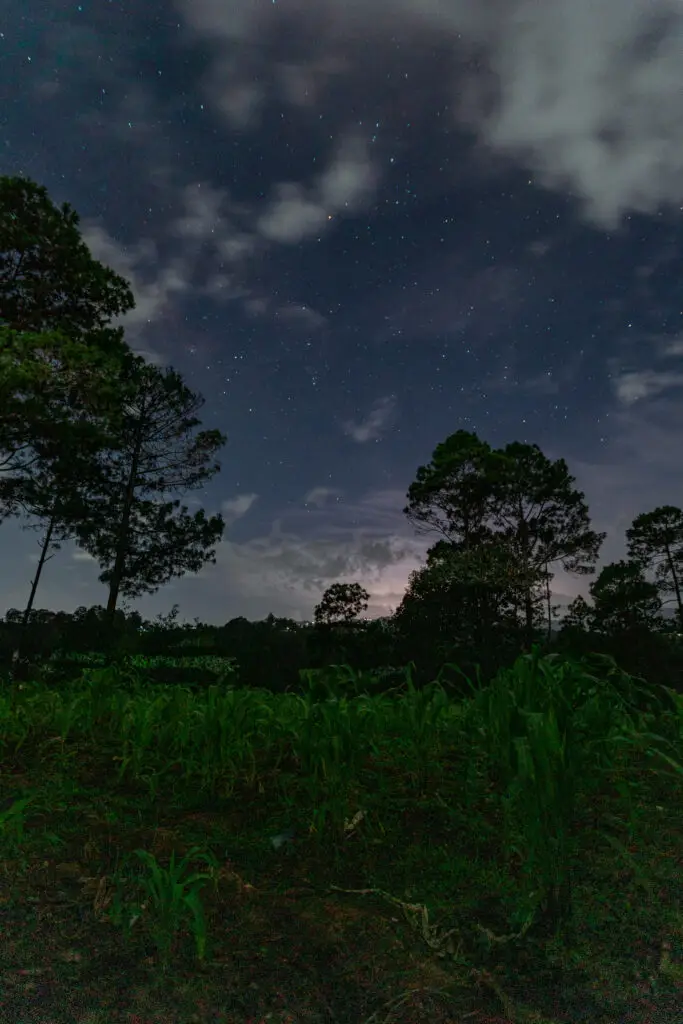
(541, 514)
(576, 629)
(45, 629)
(463, 602)
(169, 620)
(56, 395)
(281, 623)
(624, 600)
(55, 304)
(90, 629)
(472, 494)
(60, 399)
(655, 541)
(49, 280)
(140, 541)
(53, 469)
(492, 563)
(342, 603)
(579, 615)
(449, 494)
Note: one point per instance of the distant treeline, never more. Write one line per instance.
(271, 653)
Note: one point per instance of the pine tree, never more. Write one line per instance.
(139, 539)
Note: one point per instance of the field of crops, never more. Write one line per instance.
(177, 854)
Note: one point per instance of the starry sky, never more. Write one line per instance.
(355, 229)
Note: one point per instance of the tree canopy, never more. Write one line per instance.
(474, 496)
(655, 542)
(140, 540)
(342, 602)
(49, 280)
(92, 440)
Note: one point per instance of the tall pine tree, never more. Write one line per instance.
(139, 539)
(655, 541)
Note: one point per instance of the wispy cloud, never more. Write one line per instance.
(373, 426)
(235, 508)
(153, 287)
(643, 384)
(289, 568)
(671, 346)
(203, 215)
(585, 95)
(297, 212)
(284, 569)
(301, 315)
(82, 556)
(210, 225)
(320, 496)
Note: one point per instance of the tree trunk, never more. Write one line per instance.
(34, 586)
(528, 620)
(523, 534)
(677, 588)
(122, 546)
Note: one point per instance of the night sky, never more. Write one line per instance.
(355, 228)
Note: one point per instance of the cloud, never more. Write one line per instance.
(212, 223)
(223, 288)
(350, 178)
(635, 386)
(510, 381)
(288, 575)
(288, 569)
(319, 496)
(541, 247)
(588, 101)
(292, 215)
(297, 314)
(296, 213)
(647, 444)
(135, 264)
(210, 217)
(672, 346)
(235, 508)
(208, 222)
(203, 213)
(301, 315)
(240, 101)
(585, 95)
(284, 570)
(82, 556)
(371, 428)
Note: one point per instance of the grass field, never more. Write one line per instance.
(238, 856)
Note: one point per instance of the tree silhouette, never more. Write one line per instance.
(655, 541)
(140, 540)
(342, 603)
(473, 495)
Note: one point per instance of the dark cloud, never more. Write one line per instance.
(585, 95)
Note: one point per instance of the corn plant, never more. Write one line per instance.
(12, 821)
(15, 724)
(139, 728)
(230, 724)
(327, 745)
(329, 740)
(546, 727)
(171, 900)
(421, 714)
